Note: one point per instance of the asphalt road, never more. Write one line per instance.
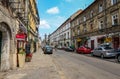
(76, 66)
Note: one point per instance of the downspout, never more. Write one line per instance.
(26, 17)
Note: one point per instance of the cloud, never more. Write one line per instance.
(54, 10)
(44, 24)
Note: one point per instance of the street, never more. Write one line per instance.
(65, 65)
(77, 66)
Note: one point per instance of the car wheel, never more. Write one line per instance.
(92, 54)
(102, 56)
(118, 58)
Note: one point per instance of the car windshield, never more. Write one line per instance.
(49, 47)
(108, 48)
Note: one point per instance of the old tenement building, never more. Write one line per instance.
(99, 23)
(15, 20)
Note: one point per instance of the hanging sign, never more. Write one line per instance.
(21, 36)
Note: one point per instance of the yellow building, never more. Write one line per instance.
(33, 22)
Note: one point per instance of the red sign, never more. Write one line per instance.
(21, 36)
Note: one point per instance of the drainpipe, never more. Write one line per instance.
(105, 19)
(26, 17)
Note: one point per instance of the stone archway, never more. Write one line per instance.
(5, 47)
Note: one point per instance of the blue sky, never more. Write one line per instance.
(54, 12)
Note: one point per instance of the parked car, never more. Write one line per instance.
(105, 51)
(69, 49)
(84, 50)
(48, 50)
(118, 57)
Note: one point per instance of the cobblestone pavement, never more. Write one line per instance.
(41, 67)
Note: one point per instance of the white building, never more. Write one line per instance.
(62, 36)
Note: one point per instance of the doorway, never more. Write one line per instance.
(0, 44)
(92, 44)
(116, 42)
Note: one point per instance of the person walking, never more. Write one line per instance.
(55, 47)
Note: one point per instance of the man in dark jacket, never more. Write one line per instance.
(27, 48)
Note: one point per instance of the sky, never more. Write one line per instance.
(54, 12)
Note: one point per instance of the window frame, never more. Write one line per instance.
(115, 16)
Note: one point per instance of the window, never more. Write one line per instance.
(114, 1)
(68, 35)
(5, 3)
(91, 13)
(99, 48)
(84, 18)
(100, 7)
(91, 26)
(85, 29)
(77, 21)
(78, 30)
(115, 19)
(101, 24)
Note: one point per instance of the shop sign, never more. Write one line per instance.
(79, 40)
(108, 39)
(21, 36)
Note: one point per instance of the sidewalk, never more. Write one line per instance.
(41, 67)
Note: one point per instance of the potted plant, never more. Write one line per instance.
(28, 57)
(21, 57)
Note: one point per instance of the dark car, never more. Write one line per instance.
(84, 50)
(48, 50)
(69, 49)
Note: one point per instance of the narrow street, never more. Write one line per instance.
(77, 66)
(65, 65)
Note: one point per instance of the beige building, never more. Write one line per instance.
(99, 23)
(9, 26)
(13, 21)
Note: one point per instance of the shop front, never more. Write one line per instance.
(21, 41)
(78, 42)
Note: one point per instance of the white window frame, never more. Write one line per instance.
(100, 7)
(84, 19)
(114, 17)
(114, 2)
(91, 13)
(101, 24)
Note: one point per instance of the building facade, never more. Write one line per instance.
(13, 21)
(98, 24)
(33, 23)
(9, 27)
(62, 36)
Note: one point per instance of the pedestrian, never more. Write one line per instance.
(27, 48)
(55, 47)
(28, 52)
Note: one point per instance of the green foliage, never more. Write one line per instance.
(21, 51)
